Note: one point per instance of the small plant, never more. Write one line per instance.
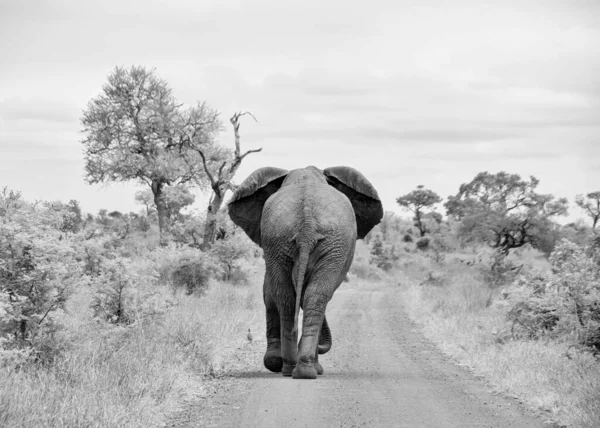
(501, 271)
(432, 278)
(383, 256)
(423, 244)
(407, 238)
(113, 300)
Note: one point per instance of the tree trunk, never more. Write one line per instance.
(222, 183)
(210, 226)
(419, 223)
(161, 209)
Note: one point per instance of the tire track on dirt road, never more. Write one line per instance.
(380, 372)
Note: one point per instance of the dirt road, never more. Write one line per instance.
(380, 372)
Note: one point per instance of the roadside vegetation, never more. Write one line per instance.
(503, 289)
(115, 319)
(101, 329)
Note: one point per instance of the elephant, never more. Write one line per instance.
(307, 222)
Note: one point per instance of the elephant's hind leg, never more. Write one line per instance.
(289, 339)
(308, 366)
(272, 359)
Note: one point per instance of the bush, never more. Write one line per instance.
(567, 303)
(191, 275)
(114, 300)
(38, 270)
(501, 271)
(383, 256)
(423, 244)
(407, 238)
(534, 317)
(363, 270)
(228, 253)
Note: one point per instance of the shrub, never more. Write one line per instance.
(567, 303)
(238, 275)
(407, 238)
(501, 270)
(38, 270)
(228, 253)
(189, 230)
(113, 300)
(363, 270)
(534, 317)
(163, 261)
(423, 244)
(191, 275)
(383, 256)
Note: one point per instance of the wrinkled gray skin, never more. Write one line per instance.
(307, 221)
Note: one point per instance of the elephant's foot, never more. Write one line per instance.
(288, 369)
(273, 360)
(319, 368)
(305, 369)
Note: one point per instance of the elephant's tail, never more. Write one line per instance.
(304, 252)
(302, 263)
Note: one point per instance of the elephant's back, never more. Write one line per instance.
(323, 208)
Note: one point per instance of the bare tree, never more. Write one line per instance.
(220, 178)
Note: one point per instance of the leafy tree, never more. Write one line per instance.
(72, 220)
(418, 201)
(77, 216)
(102, 217)
(577, 232)
(113, 300)
(136, 130)
(591, 205)
(505, 210)
(145, 198)
(38, 269)
(175, 198)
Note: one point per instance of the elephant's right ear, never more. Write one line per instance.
(363, 196)
(246, 204)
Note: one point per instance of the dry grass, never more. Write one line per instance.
(134, 376)
(467, 321)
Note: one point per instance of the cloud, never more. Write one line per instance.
(38, 109)
(357, 107)
(409, 92)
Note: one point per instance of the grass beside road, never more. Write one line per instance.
(467, 320)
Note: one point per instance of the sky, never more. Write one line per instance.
(408, 92)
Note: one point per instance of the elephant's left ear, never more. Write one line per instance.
(247, 202)
(363, 196)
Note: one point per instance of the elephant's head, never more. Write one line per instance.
(246, 205)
